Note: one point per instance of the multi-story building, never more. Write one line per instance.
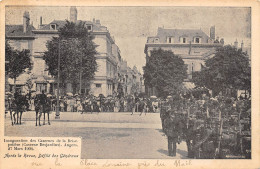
(105, 77)
(20, 37)
(192, 45)
(133, 81)
(111, 68)
(138, 81)
(123, 76)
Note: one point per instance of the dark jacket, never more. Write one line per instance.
(42, 99)
(173, 126)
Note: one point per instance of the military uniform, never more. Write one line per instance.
(173, 130)
(164, 113)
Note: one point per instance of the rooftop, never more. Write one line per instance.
(17, 31)
(61, 23)
(162, 32)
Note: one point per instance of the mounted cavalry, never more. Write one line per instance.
(17, 105)
(42, 105)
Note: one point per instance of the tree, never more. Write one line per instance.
(77, 54)
(120, 90)
(29, 84)
(165, 72)
(17, 62)
(228, 69)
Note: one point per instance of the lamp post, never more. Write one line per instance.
(57, 115)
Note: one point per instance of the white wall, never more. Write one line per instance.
(40, 43)
(101, 69)
(100, 40)
(99, 90)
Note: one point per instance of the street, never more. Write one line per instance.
(104, 135)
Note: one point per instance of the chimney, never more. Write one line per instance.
(236, 44)
(73, 14)
(26, 21)
(212, 32)
(242, 45)
(98, 22)
(94, 20)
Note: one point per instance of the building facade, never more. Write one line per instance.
(192, 45)
(111, 67)
(20, 37)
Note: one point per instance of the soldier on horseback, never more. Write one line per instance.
(21, 103)
(40, 105)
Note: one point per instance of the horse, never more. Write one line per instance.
(42, 108)
(17, 107)
(11, 108)
(47, 110)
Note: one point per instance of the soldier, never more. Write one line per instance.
(165, 107)
(173, 130)
(47, 109)
(42, 101)
(132, 105)
(18, 101)
(142, 106)
(190, 121)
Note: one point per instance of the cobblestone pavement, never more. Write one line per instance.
(104, 135)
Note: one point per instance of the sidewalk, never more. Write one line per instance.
(105, 117)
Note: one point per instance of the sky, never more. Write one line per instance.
(131, 26)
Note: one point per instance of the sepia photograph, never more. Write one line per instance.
(132, 82)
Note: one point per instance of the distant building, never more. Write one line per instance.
(192, 45)
(138, 81)
(246, 49)
(109, 61)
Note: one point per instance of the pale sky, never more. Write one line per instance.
(130, 26)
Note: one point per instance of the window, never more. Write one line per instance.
(98, 85)
(170, 39)
(51, 88)
(41, 87)
(53, 27)
(89, 27)
(183, 40)
(197, 40)
(156, 40)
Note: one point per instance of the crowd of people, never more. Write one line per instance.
(100, 103)
(91, 103)
(217, 127)
(19, 102)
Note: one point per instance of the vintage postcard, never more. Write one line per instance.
(129, 84)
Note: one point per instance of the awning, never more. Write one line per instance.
(21, 80)
(188, 86)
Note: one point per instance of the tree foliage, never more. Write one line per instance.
(165, 72)
(228, 69)
(120, 90)
(77, 54)
(17, 62)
